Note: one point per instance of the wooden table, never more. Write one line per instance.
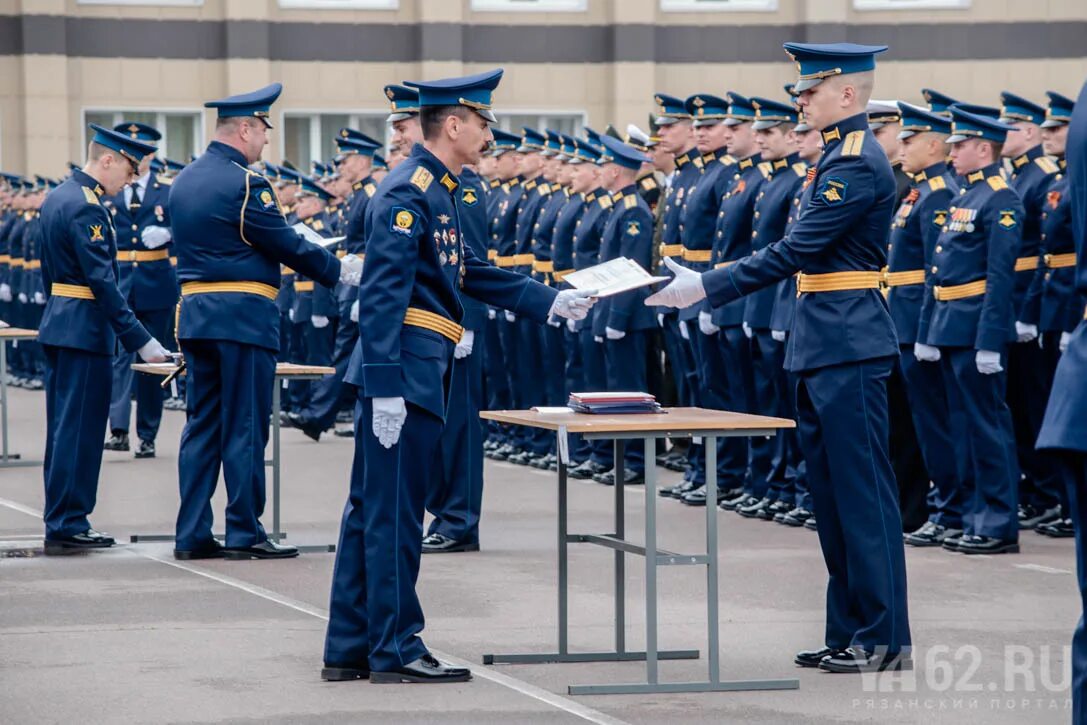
(709, 425)
(284, 372)
(10, 334)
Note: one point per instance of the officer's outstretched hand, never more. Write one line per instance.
(988, 362)
(573, 304)
(464, 347)
(155, 237)
(683, 291)
(154, 352)
(926, 353)
(389, 417)
(351, 270)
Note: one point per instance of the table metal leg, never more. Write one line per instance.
(650, 563)
(712, 618)
(620, 556)
(275, 535)
(564, 565)
(7, 458)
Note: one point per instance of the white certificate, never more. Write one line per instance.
(611, 278)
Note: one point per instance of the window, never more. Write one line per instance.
(569, 123)
(532, 6)
(308, 137)
(687, 6)
(341, 4)
(186, 3)
(910, 4)
(182, 131)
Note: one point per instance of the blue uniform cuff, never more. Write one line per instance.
(382, 381)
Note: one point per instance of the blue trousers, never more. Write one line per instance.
(375, 614)
(797, 467)
(1073, 466)
(990, 507)
(579, 448)
(625, 363)
(844, 430)
(927, 393)
(1029, 378)
(770, 391)
(496, 382)
(327, 395)
(126, 382)
(298, 390)
(712, 392)
(734, 351)
(531, 380)
(455, 488)
(228, 404)
(595, 379)
(685, 376)
(77, 386)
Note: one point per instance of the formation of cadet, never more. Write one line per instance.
(900, 279)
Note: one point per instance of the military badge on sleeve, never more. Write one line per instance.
(1007, 219)
(468, 196)
(96, 233)
(634, 228)
(267, 201)
(939, 217)
(833, 189)
(402, 221)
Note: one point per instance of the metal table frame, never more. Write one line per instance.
(655, 557)
(7, 458)
(274, 463)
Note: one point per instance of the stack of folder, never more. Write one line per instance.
(613, 403)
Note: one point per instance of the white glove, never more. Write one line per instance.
(319, 321)
(571, 325)
(355, 311)
(39, 298)
(925, 353)
(1066, 337)
(308, 234)
(155, 237)
(510, 317)
(573, 304)
(683, 291)
(705, 324)
(464, 347)
(23, 298)
(683, 331)
(389, 416)
(748, 332)
(988, 362)
(660, 319)
(153, 352)
(492, 313)
(290, 315)
(612, 334)
(778, 335)
(598, 338)
(5, 292)
(351, 270)
(1025, 332)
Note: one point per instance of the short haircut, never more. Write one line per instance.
(96, 151)
(432, 118)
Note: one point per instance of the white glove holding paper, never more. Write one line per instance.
(683, 291)
(155, 237)
(389, 417)
(988, 362)
(351, 270)
(1025, 332)
(319, 321)
(153, 352)
(612, 334)
(573, 304)
(464, 347)
(926, 353)
(705, 324)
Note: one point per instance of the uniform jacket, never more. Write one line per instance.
(79, 248)
(228, 227)
(628, 233)
(843, 227)
(699, 214)
(1052, 301)
(562, 241)
(149, 285)
(734, 231)
(1032, 174)
(315, 298)
(588, 232)
(544, 233)
(353, 228)
(535, 193)
(473, 210)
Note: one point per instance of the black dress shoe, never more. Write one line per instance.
(344, 432)
(304, 424)
(524, 458)
(1062, 529)
(543, 462)
(345, 416)
(285, 420)
(678, 490)
(930, 534)
(853, 660)
(438, 544)
(676, 461)
(174, 404)
(777, 508)
(118, 441)
(987, 545)
(952, 541)
(753, 510)
(146, 449)
(266, 549)
(812, 657)
(1031, 516)
(630, 478)
(345, 672)
(810, 524)
(588, 469)
(738, 502)
(797, 517)
(214, 550)
(424, 669)
(89, 539)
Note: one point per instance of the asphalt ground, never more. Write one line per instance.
(129, 635)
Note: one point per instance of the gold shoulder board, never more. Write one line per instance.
(854, 141)
(997, 182)
(630, 202)
(90, 196)
(369, 189)
(936, 183)
(422, 178)
(1048, 165)
(800, 168)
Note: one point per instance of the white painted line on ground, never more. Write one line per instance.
(1041, 568)
(15, 506)
(574, 708)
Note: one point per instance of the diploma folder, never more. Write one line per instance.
(614, 403)
(613, 277)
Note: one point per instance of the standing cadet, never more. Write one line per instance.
(1032, 173)
(842, 348)
(416, 266)
(231, 239)
(914, 234)
(85, 316)
(33, 290)
(149, 284)
(967, 322)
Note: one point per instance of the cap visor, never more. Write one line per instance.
(736, 121)
(1052, 123)
(803, 128)
(488, 116)
(958, 137)
(398, 116)
(666, 120)
(876, 124)
(763, 125)
(702, 122)
(806, 84)
(905, 134)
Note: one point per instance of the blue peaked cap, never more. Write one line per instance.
(255, 104)
(919, 120)
(965, 124)
(818, 61)
(615, 151)
(138, 131)
(474, 91)
(130, 148)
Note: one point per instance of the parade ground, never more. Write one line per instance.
(129, 635)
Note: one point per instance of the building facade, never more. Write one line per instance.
(64, 63)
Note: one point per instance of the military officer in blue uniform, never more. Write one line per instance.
(417, 265)
(842, 348)
(231, 238)
(914, 233)
(85, 316)
(1032, 173)
(147, 279)
(1064, 432)
(968, 323)
(938, 103)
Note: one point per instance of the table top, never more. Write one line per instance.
(17, 333)
(677, 420)
(283, 370)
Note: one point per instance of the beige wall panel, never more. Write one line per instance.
(12, 121)
(210, 10)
